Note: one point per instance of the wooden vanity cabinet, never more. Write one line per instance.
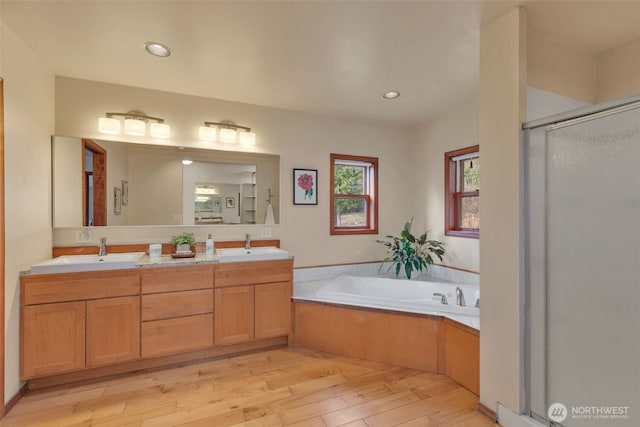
(53, 338)
(177, 309)
(76, 320)
(113, 330)
(252, 300)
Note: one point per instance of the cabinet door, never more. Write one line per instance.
(113, 330)
(233, 315)
(53, 338)
(273, 309)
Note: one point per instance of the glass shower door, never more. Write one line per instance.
(584, 271)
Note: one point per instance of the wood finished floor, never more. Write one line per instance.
(284, 387)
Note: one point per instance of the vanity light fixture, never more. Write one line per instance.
(392, 94)
(227, 132)
(135, 123)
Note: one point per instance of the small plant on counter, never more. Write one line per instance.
(408, 252)
(184, 238)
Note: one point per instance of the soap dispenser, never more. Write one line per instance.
(208, 247)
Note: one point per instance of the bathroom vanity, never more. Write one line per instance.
(90, 324)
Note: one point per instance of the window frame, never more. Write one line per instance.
(453, 197)
(371, 198)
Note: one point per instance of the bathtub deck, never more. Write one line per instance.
(284, 387)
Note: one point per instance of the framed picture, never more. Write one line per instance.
(231, 202)
(117, 200)
(125, 193)
(305, 186)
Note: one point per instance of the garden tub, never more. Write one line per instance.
(411, 296)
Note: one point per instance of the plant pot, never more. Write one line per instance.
(183, 248)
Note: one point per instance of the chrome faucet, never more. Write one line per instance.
(247, 241)
(459, 297)
(443, 298)
(102, 251)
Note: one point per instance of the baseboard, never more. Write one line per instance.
(15, 399)
(488, 412)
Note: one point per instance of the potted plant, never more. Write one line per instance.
(408, 252)
(184, 241)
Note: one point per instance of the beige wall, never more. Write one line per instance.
(29, 123)
(619, 72)
(561, 69)
(453, 130)
(302, 141)
(501, 112)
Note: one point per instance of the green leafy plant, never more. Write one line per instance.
(184, 238)
(408, 252)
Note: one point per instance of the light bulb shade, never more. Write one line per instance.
(134, 127)
(228, 135)
(208, 133)
(109, 125)
(159, 130)
(247, 138)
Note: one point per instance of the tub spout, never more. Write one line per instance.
(459, 297)
(102, 247)
(443, 297)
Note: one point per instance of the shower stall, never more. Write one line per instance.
(582, 266)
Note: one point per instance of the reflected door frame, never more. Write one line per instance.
(99, 173)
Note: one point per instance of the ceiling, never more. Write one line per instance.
(325, 57)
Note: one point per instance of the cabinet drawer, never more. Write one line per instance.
(251, 273)
(79, 286)
(169, 336)
(176, 304)
(156, 280)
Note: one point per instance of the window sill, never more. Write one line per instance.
(347, 232)
(470, 234)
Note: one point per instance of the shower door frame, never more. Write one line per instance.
(555, 121)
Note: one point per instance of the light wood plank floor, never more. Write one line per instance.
(284, 387)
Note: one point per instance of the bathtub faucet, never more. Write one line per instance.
(443, 298)
(102, 248)
(459, 297)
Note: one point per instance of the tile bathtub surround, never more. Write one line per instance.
(438, 272)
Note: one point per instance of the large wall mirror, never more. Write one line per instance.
(108, 183)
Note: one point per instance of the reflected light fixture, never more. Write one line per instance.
(227, 132)
(135, 123)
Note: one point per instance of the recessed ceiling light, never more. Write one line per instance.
(392, 94)
(157, 49)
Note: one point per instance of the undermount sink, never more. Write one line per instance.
(253, 254)
(75, 263)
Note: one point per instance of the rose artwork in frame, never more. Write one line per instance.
(305, 186)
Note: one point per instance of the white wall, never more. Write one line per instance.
(302, 141)
(29, 124)
(67, 183)
(501, 112)
(453, 130)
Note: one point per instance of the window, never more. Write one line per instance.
(354, 205)
(462, 192)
